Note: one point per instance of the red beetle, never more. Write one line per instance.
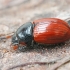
(41, 31)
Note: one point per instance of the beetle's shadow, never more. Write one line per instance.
(40, 48)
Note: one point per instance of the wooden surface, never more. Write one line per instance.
(14, 13)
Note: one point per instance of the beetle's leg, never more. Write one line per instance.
(22, 48)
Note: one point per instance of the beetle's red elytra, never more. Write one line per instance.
(43, 31)
(51, 31)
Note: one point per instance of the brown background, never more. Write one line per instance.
(14, 13)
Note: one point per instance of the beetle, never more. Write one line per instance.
(41, 31)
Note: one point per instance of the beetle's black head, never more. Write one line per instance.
(17, 44)
(15, 40)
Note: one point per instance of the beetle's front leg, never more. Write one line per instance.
(22, 48)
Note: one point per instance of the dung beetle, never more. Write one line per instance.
(41, 31)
